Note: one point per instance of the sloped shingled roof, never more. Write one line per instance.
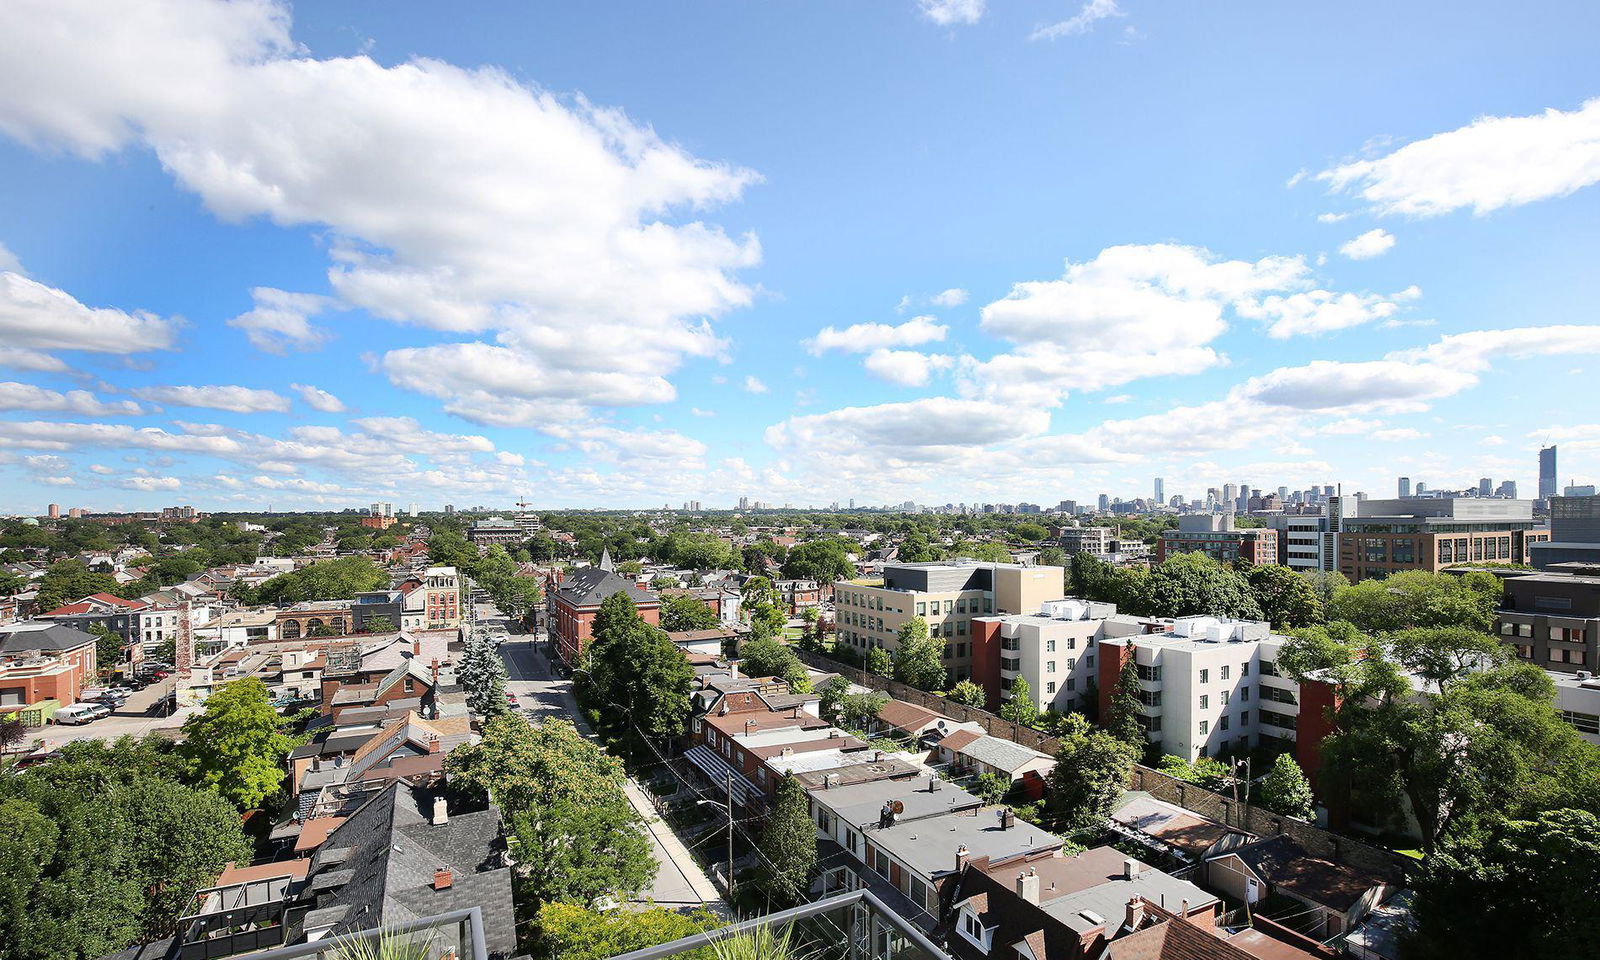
(590, 586)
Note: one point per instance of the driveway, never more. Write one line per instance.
(130, 719)
(679, 880)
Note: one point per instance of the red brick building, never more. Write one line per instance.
(576, 600)
(44, 661)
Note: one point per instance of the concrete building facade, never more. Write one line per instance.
(1215, 535)
(1381, 537)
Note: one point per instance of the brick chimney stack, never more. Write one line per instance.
(1135, 913)
(442, 878)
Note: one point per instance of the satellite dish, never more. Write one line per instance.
(897, 807)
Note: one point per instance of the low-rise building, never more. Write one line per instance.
(1215, 535)
(1103, 543)
(948, 595)
(1552, 619)
(576, 601)
(1336, 895)
(42, 661)
(1381, 537)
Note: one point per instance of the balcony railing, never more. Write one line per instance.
(857, 925)
(458, 934)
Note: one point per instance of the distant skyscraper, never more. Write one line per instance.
(1230, 492)
(744, 503)
(1485, 486)
(1507, 489)
(55, 511)
(1105, 503)
(1405, 486)
(1547, 472)
(1283, 493)
(1161, 490)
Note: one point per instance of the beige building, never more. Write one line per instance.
(948, 595)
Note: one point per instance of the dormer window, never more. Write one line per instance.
(974, 931)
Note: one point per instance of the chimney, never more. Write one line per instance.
(1130, 868)
(435, 745)
(1028, 886)
(416, 646)
(1135, 912)
(748, 724)
(442, 878)
(961, 857)
(434, 671)
(441, 816)
(1185, 912)
(1008, 819)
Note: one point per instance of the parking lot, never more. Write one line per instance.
(130, 719)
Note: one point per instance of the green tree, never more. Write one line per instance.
(1030, 532)
(1325, 583)
(1522, 889)
(992, 552)
(578, 838)
(768, 658)
(571, 932)
(638, 668)
(821, 560)
(1417, 598)
(916, 549)
(763, 606)
(339, 579)
(107, 647)
(381, 624)
(879, 662)
(236, 745)
(1286, 598)
(616, 611)
(991, 788)
(684, 612)
(1091, 771)
(1286, 790)
(1020, 707)
(968, 693)
(832, 696)
(858, 710)
(68, 581)
(1187, 584)
(1122, 721)
(918, 660)
(1052, 557)
(788, 843)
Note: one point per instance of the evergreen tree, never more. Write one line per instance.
(1123, 721)
(482, 674)
(789, 843)
(1286, 790)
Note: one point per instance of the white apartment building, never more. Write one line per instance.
(1054, 650)
(1209, 686)
(1103, 543)
(1305, 542)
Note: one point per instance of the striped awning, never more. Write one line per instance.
(716, 769)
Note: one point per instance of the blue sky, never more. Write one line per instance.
(626, 254)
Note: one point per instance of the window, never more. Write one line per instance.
(961, 605)
(1244, 693)
(1071, 662)
(922, 607)
(1225, 669)
(988, 605)
(1205, 702)
(1222, 698)
(1050, 666)
(1524, 629)
(1506, 627)
(949, 605)
(1224, 723)
(1244, 669)
(961, 627)
(1205, 676)
(1072, 684)
(1049, 646)
(1205, 727)
(1582, 722)
(1050, 686)
(1273, 719)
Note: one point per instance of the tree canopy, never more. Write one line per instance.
(338, 579)
(237, 744)
(918, 660)
(822, 560)
(684, 612)
(788, 843)
(1091, 771)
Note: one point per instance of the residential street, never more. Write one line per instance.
(679, 880)
(130, 719)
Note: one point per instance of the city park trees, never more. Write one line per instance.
(1091, 771)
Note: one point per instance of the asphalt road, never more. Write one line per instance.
(129, 719)
(679, 880)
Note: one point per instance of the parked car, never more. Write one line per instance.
(163, 707)
(80, 713)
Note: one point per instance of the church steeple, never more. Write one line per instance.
(605, 561)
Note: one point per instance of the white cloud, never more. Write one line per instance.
(547, 221)
(1491, 163)
(101, 469)
(59, 481)
(318, 399)
(907, 368)
(148, 484)
(232, 398)
(1373, 243)
(948, 13)
(1322, 311)
(753, 385)
(480, 374)
(26, 396)
(1396, 434)
(1493, 440)
(1350, 426)
(9, 262)
(1079, 23)
(954, 297)
(1332, 217)
(281, 320)
(927, 429)
(35, 316)
(18, 358)
(1118, 398)
(696, 411)
(867, 337)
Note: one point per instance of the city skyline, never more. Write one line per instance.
(553, 252)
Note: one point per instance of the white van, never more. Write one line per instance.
(79, 713)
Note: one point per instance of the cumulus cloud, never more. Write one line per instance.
(867, 337)
(36, 317)
(150, 483)
(948, 13)
(1489, 164)
(18, 358)
(1373, 243)
(318, 399)
(1321, 311)
(954, 297)
(26, 396)
(231, 398)
(281, 320)
(534, 220)
(925, 429)
(906, 368)
(752, 384)
(1079, 23)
